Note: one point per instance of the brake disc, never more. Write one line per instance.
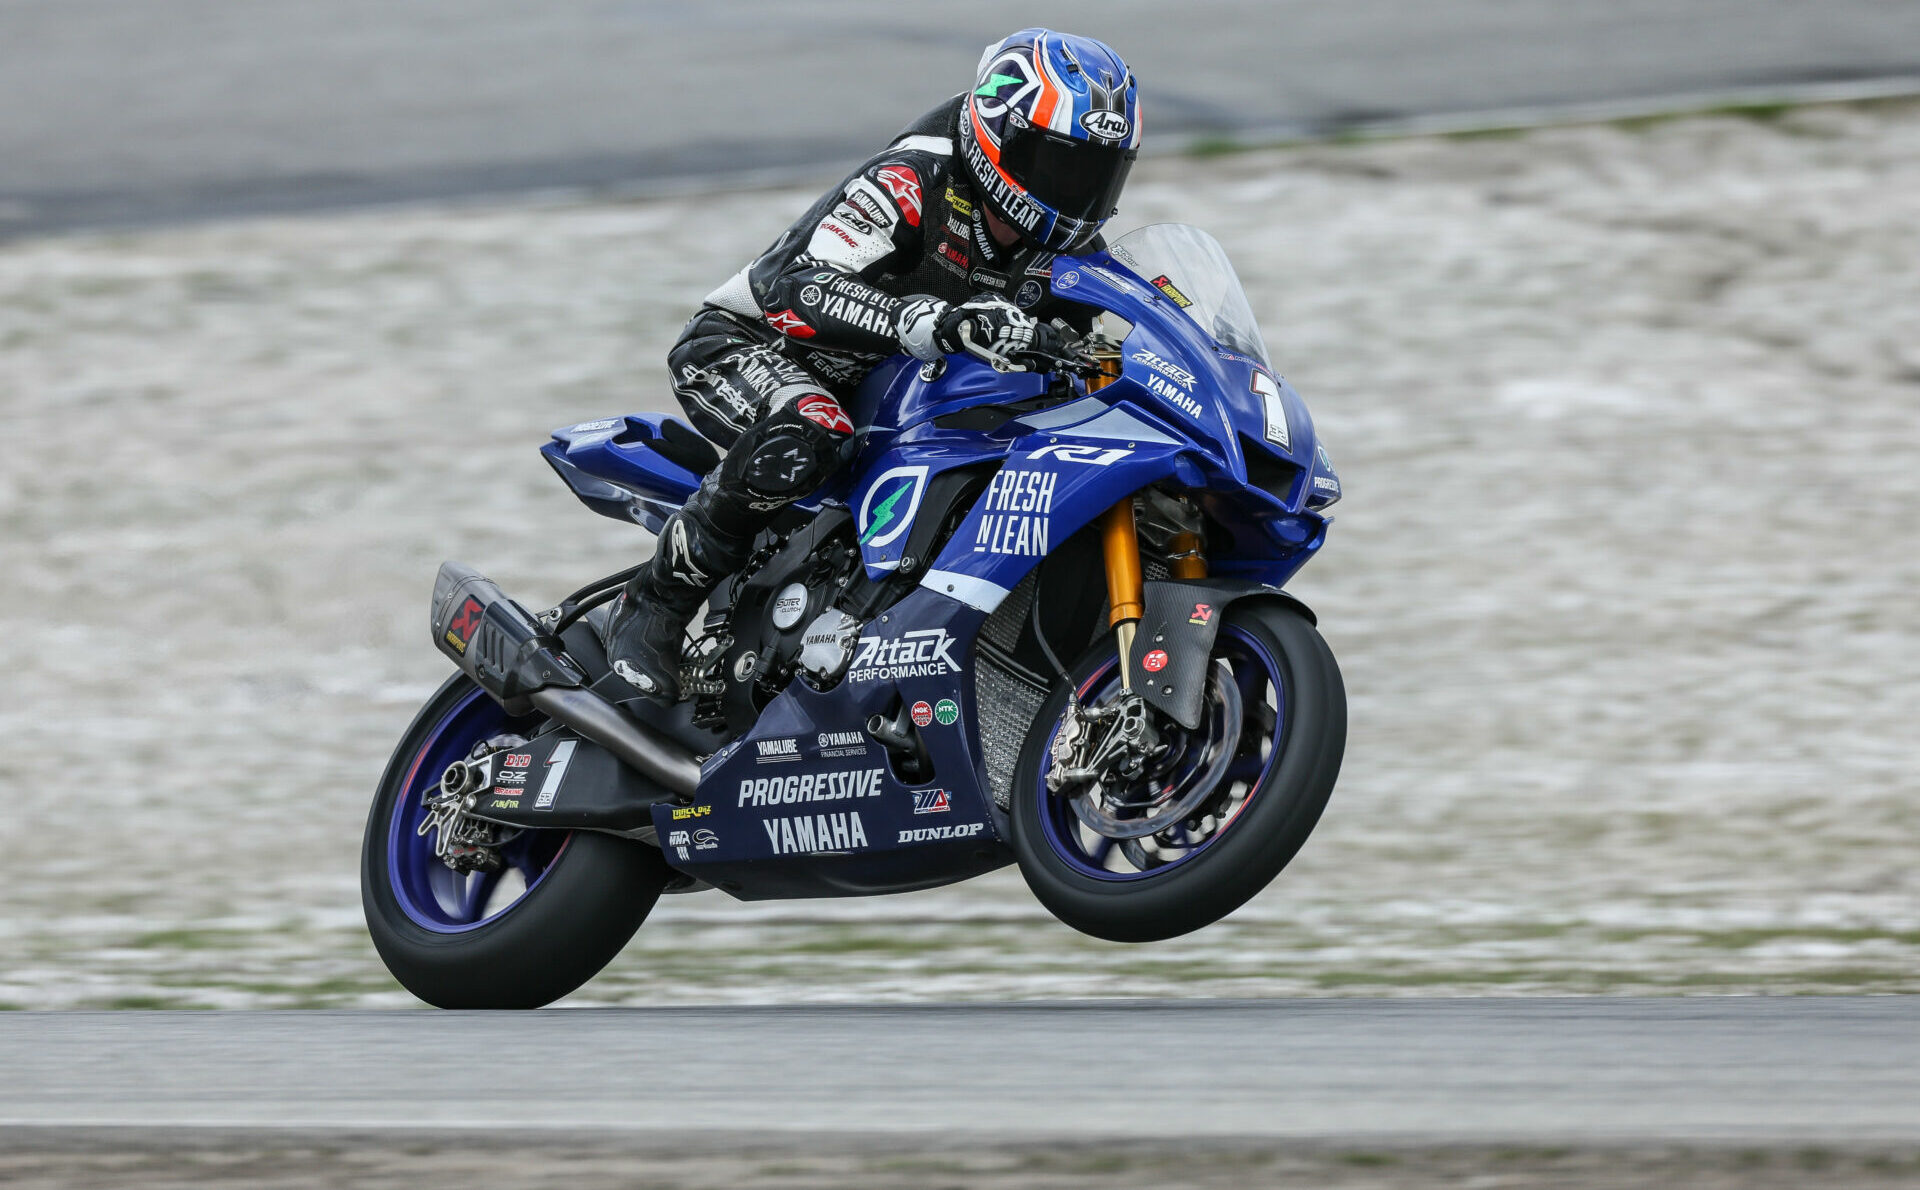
(1187, 778)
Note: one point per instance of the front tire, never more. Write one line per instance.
(566, 904)
(1279, 772)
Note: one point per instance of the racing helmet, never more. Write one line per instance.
(1049, 132)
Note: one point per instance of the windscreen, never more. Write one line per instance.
(1191, 269)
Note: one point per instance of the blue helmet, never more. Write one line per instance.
(1049, 133)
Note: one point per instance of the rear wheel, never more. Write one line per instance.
(1218, 811)
(559, 907)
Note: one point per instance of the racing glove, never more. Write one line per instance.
(995, 328)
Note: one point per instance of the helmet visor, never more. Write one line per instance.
(1079, 179)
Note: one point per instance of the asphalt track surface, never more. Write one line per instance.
(128, 111)
(1786, 1070)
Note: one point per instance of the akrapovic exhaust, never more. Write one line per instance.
(500, 645)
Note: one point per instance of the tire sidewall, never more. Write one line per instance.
(567, 927)
(1255, 846)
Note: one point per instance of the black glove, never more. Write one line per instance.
(994, 328)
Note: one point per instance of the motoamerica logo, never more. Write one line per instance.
(922, 653)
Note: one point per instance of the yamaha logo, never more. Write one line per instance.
(1106, 125)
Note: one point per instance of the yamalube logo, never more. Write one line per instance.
(1107, 125)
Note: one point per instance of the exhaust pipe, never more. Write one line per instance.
(499, 644)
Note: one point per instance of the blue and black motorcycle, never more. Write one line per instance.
(1040, 620)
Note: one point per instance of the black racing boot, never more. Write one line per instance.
(699, 546)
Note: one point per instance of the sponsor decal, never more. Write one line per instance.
(1067, 281)
(1167, 287)
(508, 801)
(1163, 388)
(1165, 367)
(1320, 452)
(588, 427)
(1155, 661)
(861, 198)
(839, 230)
(946, 712)
(958, 227)
(816, 832)
(888, 507)
(517, 760)
(825, 411)
(1202, 614)
(810, 787)
(955, 255)
(510, 777)
(1322, 484)
(1276, 410)
(841, 743)
(904, 185)
(1029, 293)
(465, 621)
(556, 773)
(682, 813)
(986, 279)
(1014, 517)
(931, 801)
(927, 834)
(1107, 125)
(697, 840)
(788, 323)
(922, 713)
(922, 653)
(960, 205)
(811, 295)
(863, 315)
(854, 221)
(776, 751)
(1019, 209)
(1098, 456)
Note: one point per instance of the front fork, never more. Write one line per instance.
(1126, 592)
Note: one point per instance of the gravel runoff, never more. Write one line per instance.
(1622, 587)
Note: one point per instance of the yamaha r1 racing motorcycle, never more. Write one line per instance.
(1039, 620)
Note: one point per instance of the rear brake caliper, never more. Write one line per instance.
(463, 843)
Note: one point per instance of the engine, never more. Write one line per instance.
(781, 621)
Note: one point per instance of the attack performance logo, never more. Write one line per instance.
(886, 511)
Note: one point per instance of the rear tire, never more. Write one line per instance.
(580, 909)
(1243, 855)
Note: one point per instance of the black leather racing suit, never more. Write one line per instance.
(760, 369)
(817, 310)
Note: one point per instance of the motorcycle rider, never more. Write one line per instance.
(953, 226)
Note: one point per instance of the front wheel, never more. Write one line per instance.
(1215, 813)
(556, 907)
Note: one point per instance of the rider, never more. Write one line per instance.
(953, 225)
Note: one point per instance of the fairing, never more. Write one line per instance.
(806, 804)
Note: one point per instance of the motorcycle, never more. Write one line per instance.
(1040, 619)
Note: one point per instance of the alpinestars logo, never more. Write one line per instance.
(904, 185)
(922, 653)
(788, 323)
(680, 555)
(825, 412)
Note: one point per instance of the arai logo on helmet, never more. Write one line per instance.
(1105, 124)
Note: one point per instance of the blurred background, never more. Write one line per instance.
(1607, 312)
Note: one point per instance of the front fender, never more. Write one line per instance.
(1180, 621)
(1053, 483)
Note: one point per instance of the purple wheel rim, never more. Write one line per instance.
(432, 895)
(1255, 669)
